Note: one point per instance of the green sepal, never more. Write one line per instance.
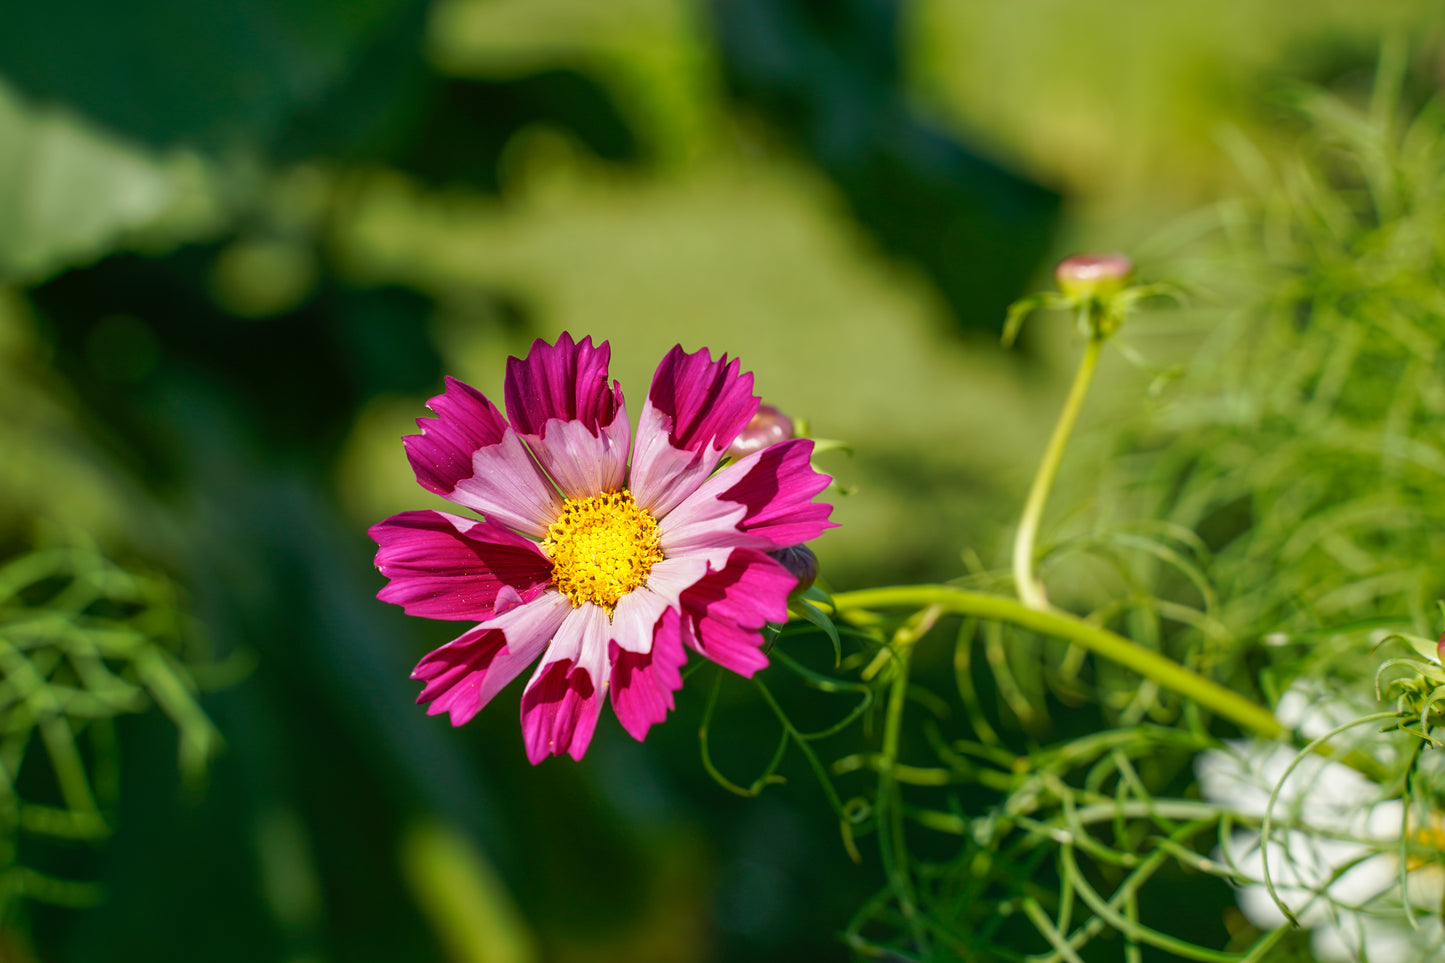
(802, 607)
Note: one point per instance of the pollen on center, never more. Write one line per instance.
(602, 547)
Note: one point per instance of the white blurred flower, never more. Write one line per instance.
(1334, 847)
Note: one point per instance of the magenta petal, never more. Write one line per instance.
(507, 486)
(555, 711)
(508, 598)
(444, 566)
(584, 463)
(727, 608)
(563, 700)
(462, 676)
(694, 410)
(465, 421)
(730, 645)
(751, 590)
(642, 684)
(565, 381)
(763, 501)
(470, 455)
(559, 400)
(708, 401)
(778, 491)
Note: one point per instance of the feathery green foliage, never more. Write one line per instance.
(82, 641)
(1277, 516)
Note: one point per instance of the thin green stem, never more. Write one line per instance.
(1027, 585)
(1264, 831)
(1148, 663)
(891, 843)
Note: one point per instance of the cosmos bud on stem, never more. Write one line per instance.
(768, 427)
(1096, 276)
(801, 563)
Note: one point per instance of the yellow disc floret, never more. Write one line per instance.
(602, 547)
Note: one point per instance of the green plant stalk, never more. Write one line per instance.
(889, 805)
(1146, 662)
(1027, 586)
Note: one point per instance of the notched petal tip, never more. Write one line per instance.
(464, 675)
(566, 381)
(725, 610)
(641, 684)
(778, 490)
(695, 408)
(559, 712)
(708, 401)
(465, 421)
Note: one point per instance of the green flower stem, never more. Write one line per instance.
(1148, 663)
(1027, 586)
(889, 805)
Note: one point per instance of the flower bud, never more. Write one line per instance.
(1096, 276)
(801, 563)
(1440, 649)
(768, 427)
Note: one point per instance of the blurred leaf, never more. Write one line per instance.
(322, 356)
(213, 72)
(459, 892)
(455, 131)
(829, 77)
(69, 191)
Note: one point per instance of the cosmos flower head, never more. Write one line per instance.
(602, 557)
(1334, 852)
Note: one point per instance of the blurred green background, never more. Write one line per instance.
(240, 244)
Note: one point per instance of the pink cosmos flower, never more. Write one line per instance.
(607, 568)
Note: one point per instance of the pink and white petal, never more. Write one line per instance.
(642, 683)
(694, 409)
(762, 501)
(564, 697)
(635, 617)
(672, 576)
(465, 421)
(462, 676)
(552, 709)
(778, 491)
(662, 475)
(444, 566)
(708, 402)
(582, 637)
(725, 610)
(584, 462)
(468, 454)
(508, 598)
(707, 526)
(565, 381)
(751, 590)
(730, 645)
(507, 487)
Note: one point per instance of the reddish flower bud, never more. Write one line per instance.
(801, 563)
(1440, 649)
(768, 427)
(1095, 276)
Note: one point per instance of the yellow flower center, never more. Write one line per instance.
(1431, 837)
(602, 547)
